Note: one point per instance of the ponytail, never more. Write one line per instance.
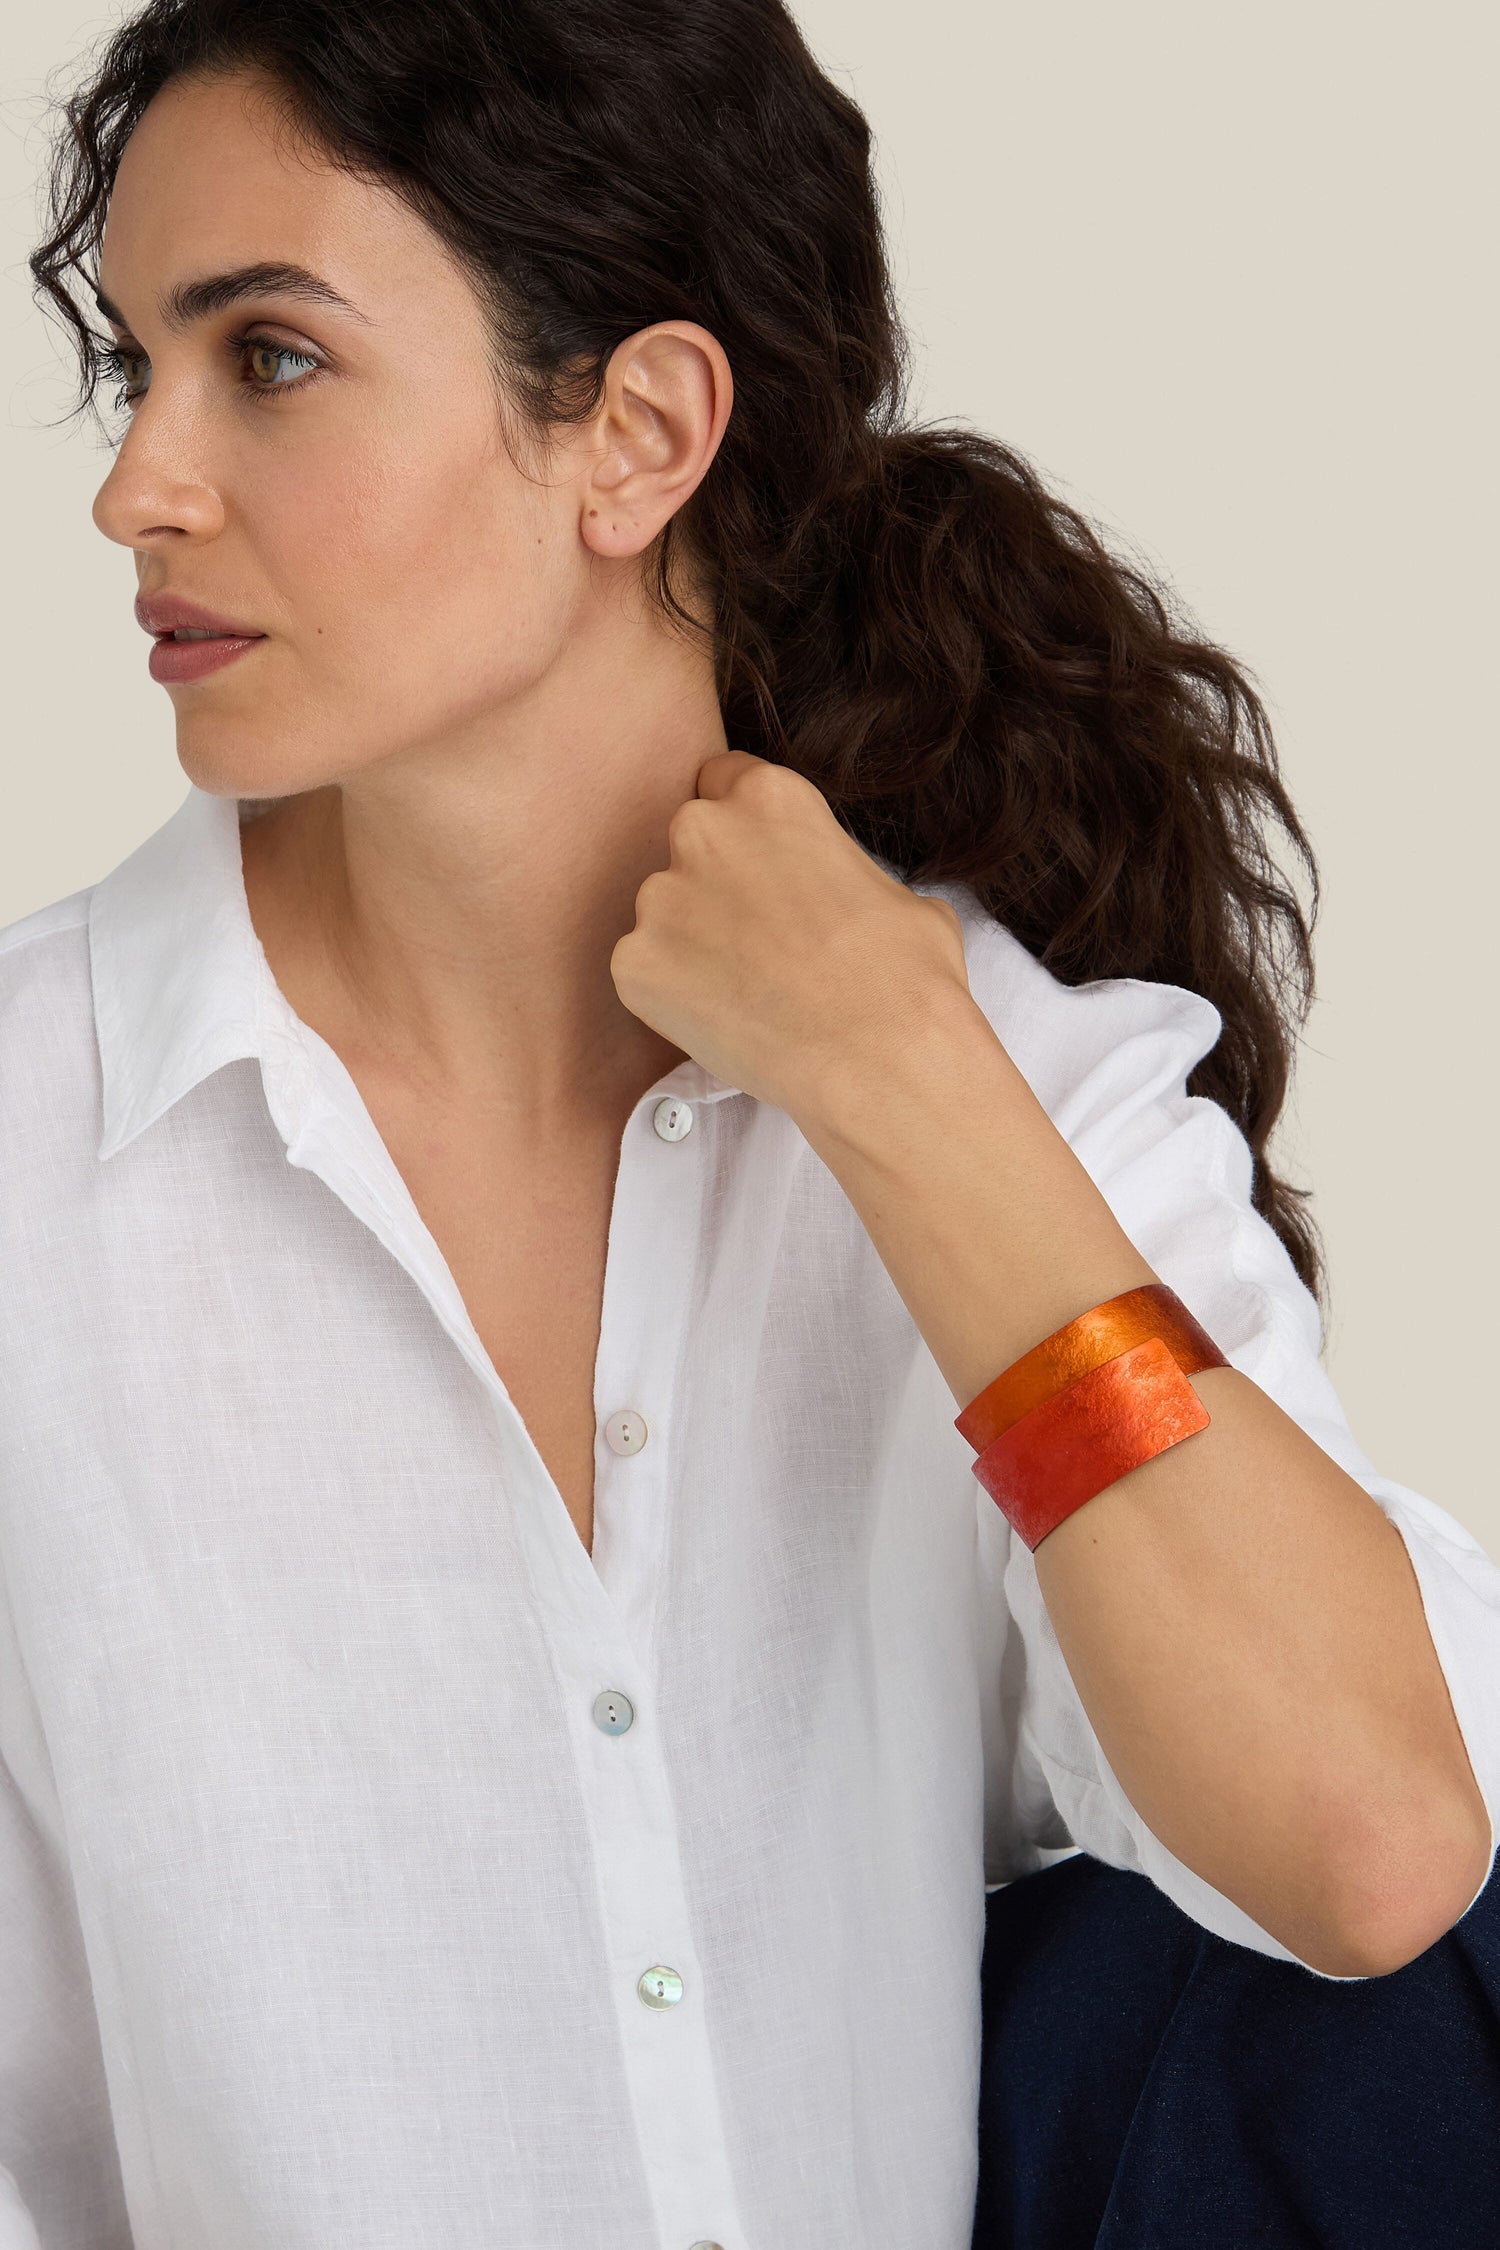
(984, 693)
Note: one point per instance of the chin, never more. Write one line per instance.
(228, 761)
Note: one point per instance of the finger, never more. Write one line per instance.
(722, 770)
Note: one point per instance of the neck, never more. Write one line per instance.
(452, 919)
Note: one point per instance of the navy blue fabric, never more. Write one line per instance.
(1148, 2086)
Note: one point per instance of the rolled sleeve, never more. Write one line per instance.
(1177, 1172)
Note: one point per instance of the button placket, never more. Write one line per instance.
(625, 1793)
(655, 1975)
(654, 1225)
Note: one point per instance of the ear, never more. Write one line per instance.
(667, 396)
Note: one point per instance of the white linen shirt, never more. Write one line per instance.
(342, 1907)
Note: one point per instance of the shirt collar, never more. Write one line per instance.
(182, 984)
(173, 955)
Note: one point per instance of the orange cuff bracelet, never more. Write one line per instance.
(1094, 1399)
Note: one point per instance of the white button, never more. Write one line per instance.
(625, 1432)
(613, 1712)
(708, 2246)
(672, 1118)
(660, 1988)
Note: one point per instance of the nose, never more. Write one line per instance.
(151, 497)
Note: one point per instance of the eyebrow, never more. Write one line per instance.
(187, 301)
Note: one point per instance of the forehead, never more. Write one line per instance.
(215, 176)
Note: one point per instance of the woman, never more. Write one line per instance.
(707, 928)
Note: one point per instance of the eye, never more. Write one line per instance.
(131, 370)
(275, 367)
(266, 367)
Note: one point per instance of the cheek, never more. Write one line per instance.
(410, 580)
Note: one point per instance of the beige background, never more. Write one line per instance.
(1226, 274)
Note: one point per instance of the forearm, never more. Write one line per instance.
(1240, 1619)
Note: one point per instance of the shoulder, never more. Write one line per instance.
(1084, 1049)
(45, 922)
(44, 953)
(48, 1056)
(1110, 1060)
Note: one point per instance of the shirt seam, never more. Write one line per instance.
(11, 941)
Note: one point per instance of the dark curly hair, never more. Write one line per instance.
(983, 690)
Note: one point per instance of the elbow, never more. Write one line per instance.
(1396, 1904)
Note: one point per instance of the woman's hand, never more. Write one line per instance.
(774, 950)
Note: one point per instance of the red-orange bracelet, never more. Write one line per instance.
(1070, 1351)
(1094, 1399)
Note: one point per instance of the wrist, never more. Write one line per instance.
(986, 1220)
(878, 1099)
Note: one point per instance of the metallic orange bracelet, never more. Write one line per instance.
(1072, 1445)
(1070, 1351)
(1091, 1401)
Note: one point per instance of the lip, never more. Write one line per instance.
(174, 661)
(164, 613)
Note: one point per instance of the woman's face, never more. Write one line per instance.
(333, 476)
